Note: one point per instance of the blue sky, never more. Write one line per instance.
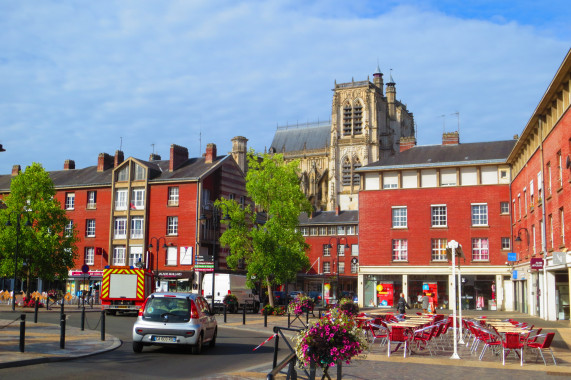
(81, 78)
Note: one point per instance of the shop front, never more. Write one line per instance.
(479, 292)
(84, 285)
(382, 290)
(176, 281)
(434, 286)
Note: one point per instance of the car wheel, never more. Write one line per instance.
(213, 340)
(197, 349)
(138, 347)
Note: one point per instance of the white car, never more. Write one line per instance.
(175, 319)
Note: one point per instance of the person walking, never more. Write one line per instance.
(402, 305)
(424, 303)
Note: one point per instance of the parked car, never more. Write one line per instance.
(280, 298)
(316, 296)
(175, 319)
(295, 293)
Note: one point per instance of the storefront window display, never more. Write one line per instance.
(436, 287)
(382, 290)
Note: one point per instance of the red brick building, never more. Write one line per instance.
(541, 203)
(154, 213)
(414, 203)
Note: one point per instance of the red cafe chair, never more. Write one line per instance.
(544, 345)
(399, 335)
(512, 342)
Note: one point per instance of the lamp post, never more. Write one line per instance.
(518, 237)
(453, 245)
(338, 243)
(165, 246)
(216, 211)
(27, 224)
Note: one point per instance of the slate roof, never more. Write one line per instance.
(329, 217)
(192, 169)
(294, 139)
(444, 155)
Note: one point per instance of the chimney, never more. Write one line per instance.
(104, 162)
(16, 170)
(210, 153)
(407, 142)
(378, 79)
(154, 157)
(337, 210)
(69, 165)
(240, 151)
(119, 158)
(450, 138)
(179, 155)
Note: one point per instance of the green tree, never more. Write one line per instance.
(45, 248)
(269, 243)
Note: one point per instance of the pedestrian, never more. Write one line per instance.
(424, 303)
(402, 305)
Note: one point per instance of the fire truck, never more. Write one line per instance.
(125, 288)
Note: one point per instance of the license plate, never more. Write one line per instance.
(122, 307)
(164, 339)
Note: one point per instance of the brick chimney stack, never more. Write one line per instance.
(240, 152)
(210, 153)
(179, 155)
(104, 162)
(16, 170)
(119, 158)
(407, 142)
(69, 165)
(337, 210)
(450, 138)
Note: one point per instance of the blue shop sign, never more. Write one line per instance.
(512, 256)
(514, 275)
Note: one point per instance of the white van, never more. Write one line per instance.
(235, 284)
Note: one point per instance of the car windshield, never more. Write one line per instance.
(166, 309)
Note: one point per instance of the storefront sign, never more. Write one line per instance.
(514, 275)
(182, 274)
(204, 266)
(78, 273)
(536, 263)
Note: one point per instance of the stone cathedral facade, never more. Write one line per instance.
(367, 123)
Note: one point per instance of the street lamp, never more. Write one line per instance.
(216, 211)
(165, 246)
(346, 245)
(27, 224)
(518, 237)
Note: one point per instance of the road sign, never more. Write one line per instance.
(85, 268)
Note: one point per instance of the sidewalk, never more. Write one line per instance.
(42, 345)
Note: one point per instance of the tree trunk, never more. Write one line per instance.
(270, 293)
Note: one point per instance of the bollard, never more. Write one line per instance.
(22, 331)
(312, 370)
(62, 331)
(244, 314)
(83, 318)
(36, 307)
(225, 311)
(288, 320)
(62, 305)
(103, 325)
(265, 319)
(339, 369)
(307, 317)
(276, 345)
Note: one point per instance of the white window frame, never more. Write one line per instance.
(341, 267)
(399, 249)
(119, 255)
(354, 267)
(438, 252)
(172, 225)
(123, 174)
(562, 225)
(135, 256)
(140, 173)
(479, 214)
(399, 217)
(137, 227)
(505, 243)
(70, 201)
(340, 230)
(121, 196)
(350, 230)
(90, 228)
(341, 250)
(120, 228)
(173, 196)
(354, 249)
(138, 198)
(439, 215)
(326, 250)
(322, 230)
(326, 267)
(480, 249)
(91, 199)
(69, 229)
(304, 231)
(171, 256)
(504, 208)
(89, 256)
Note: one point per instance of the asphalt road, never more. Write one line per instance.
(233, 352)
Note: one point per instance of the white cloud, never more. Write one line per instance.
(77, 77)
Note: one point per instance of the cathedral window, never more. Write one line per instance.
(356, 177)
(346, 172)
(347, 119)
(358, 119)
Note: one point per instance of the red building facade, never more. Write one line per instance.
(541, 203)
(414, 203)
